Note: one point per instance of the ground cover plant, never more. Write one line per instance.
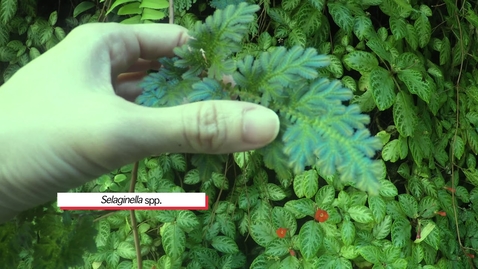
(374, 167)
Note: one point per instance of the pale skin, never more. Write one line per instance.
(67, 117)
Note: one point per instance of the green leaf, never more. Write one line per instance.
(154, 4)
(82, 7)
(300, 208)
(378, 207)
(382, 87)
(310, 239)
(263, 233)
(392, 150)
(472, 176)
(361, 61)
(381, 49)
(409, 205)
(53, 18)
(363, 27)
(192, 177)
(187, 219)
(341, 15)
(445, 51)
(275, 193)
(370, 253)
(428, 206)
(361, 214)
(404, 114)
(153, 15)
(34, 53)
(412, 37)
(126, 250)
(401, 232)
(278, 247)
(282, 218)
(382, 229)
(348, 232)
(117, 3)
(325, 196)
(335, 67)
(398, 26)
(458, 147)
(225, 244)
(174, 239)
(8, 8)
(424, 30)
(306, 184)
(220, 181)
(130, 9)
(416, 83)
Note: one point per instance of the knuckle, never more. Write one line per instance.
(208, 131)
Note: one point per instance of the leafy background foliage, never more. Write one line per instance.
(410, 65)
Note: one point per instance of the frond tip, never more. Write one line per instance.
(322, 131)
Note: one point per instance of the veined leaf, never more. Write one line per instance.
(8, 8)
(382, 87)
(306, 184)
(412, 36)
(424, 30)
(379, 47)
(341, 15)
(361, 214)
(173, 239)
(404, 114)
(225, 244)
(416, 83)
(317, 4)
(310, 239)
(458, 147)
(363, 27)
(409, 205)
(371, 254)
(445, 51)
(361, 61)
(401, 232)
(398, 26)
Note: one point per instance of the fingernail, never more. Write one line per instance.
(261, 126)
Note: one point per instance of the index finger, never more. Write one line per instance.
(119, 46)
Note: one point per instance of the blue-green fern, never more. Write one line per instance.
(317, 129)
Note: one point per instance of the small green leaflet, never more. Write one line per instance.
(361, 61)
(382, 87)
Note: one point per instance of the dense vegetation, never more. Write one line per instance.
(372, 95)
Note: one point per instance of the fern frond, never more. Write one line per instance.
(215, 40)
(277, 69)
(207, 89)
(326, 133)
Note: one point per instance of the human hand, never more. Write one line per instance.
(67, 116)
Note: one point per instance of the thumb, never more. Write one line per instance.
(213, 127)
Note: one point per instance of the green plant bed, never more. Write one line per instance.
(374, 166)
